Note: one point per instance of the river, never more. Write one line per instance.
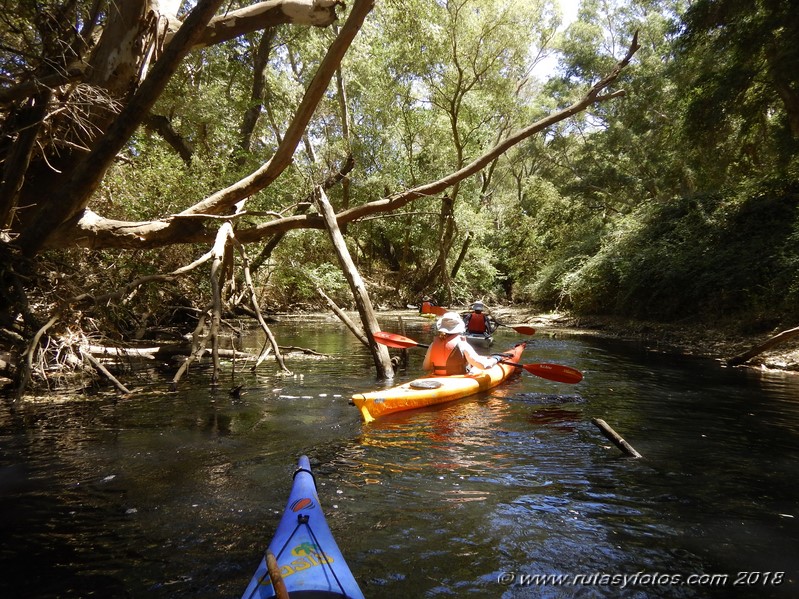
(512, 493)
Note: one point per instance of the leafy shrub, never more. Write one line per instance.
(708, 256)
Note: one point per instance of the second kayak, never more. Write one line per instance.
(431, 390)
(479, 339)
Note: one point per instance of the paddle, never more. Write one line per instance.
(520, 328)
(552, 372)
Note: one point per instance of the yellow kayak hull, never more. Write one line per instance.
(431, 390)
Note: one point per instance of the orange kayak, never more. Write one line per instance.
(431, 390)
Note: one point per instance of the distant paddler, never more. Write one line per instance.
(478, 322)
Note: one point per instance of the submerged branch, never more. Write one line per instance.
(254, 301)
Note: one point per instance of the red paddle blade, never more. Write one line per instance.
(394, 340)
(555, 372)
(522, 329)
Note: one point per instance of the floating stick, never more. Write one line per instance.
(616, 438)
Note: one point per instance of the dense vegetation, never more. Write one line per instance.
(678, 200)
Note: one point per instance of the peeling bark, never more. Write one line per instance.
(315, 13)
(118, 58)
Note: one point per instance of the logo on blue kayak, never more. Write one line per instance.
(307, 555)
(305, 503)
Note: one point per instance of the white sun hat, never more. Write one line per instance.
(450, 323)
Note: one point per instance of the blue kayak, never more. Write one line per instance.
(310, 562)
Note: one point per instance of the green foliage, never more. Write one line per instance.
(545, 232)
(293, 286)
(636, 214)
(477, 277)
(739, 72)
(156, 182)
(672, 201)
(301, 265)
(702, 256)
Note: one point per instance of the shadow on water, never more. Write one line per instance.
(177, 494)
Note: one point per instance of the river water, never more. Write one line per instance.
(512, 493)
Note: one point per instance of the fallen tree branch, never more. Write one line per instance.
(616, 438)
(363, 303)
(217, 273)
(159, 352)
(254, 301)
(104, 371)
(27, 364)
(197, 348)
(94, 231)
(344, 318)
(302, 350)
(759, 349)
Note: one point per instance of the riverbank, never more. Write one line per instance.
(722, 343)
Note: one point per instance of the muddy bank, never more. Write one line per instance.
(722, 343)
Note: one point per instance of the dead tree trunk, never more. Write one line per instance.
(362, 301)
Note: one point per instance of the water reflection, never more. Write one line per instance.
(176, 494)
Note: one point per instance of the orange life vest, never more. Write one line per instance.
(446, 357)
(476, 323)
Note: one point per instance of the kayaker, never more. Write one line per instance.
(450, 352)
(427, 306)
(478, 322)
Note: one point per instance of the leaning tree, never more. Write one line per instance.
(81, 77)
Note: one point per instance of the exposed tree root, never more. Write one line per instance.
(67, 351)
